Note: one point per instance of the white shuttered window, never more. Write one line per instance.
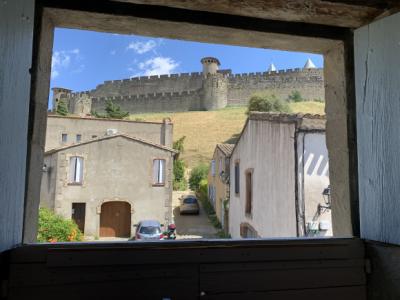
(159, 171)
(76, 169)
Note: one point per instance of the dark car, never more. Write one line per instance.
(189, 205)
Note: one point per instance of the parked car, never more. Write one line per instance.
(189, 205)
(148, 230)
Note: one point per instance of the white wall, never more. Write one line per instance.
(377, 68)
(268, 148)
(16, 36)
(313, 178)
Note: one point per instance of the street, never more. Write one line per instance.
(191, 226)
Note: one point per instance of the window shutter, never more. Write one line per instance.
(161, 173)
(155, 171)
(79, 169)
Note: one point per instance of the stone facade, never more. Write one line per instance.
(212, 89)
(278, 171)
(77, 129)
(116, 168)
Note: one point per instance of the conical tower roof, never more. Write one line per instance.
(309, 64)
(271, 68)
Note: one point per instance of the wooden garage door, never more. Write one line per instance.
(115, 219)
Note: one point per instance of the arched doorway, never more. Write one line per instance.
(115, 219)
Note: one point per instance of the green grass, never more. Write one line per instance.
(204, 129)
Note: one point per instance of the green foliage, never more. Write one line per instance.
(62, 107)
(54, 228)
(295, 96)
(179, 144)
(267, 103)
(180, 182)
(197, 174)
(113, 111)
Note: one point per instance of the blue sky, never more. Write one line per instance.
(84, 59)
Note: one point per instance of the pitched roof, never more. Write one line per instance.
(226, 149)
(304, 121)
(309, 64)
(107, 137)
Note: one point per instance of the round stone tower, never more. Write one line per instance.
(215, 85)
(59, 93)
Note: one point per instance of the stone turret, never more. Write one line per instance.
(210, 65)
(215, 85)
(59, 93)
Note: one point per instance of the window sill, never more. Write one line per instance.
(75, 184)
(158, 184)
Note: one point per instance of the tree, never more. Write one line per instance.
(54, 228)
(197, 174)
(180, 182)
(267, 103)
(62, 107)
(113, 111)
(295, 96)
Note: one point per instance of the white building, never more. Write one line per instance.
(279, 170)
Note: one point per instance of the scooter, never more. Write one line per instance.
(170, 233)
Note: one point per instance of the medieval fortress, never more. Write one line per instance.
(208, 90)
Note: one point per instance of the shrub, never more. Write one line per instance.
(295, 96)
(62, 108)
(113, 111)
(180, 183)
(197, 174)
(267, 103)
(54, 228)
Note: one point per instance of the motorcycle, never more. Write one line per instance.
(170, 233)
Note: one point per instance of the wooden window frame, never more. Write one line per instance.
(236, 179)
(335, 43)
(76, 183)
(248, 207)
(155, 184)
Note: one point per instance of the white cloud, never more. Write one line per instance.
(158, 65)
(142, 47)
(113, 52)
(62, 60)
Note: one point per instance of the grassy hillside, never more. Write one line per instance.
(204, 129)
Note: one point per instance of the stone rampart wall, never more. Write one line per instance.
(156, 102)
(148, 85)
(309, 83)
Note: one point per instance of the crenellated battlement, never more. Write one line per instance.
(211, 89)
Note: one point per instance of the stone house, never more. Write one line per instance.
(218, 182)
(107, 184)
(279, 171)
(67, 130)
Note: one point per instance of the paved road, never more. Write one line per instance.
(191, 226)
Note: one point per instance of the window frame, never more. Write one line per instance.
(64, 135)
(77, 159)
(336, 45)
(249, 182)
(236, 180)
(164, 175)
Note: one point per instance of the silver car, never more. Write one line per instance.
(189, 205)
(148, 230)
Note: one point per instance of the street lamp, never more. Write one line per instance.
(326, 194)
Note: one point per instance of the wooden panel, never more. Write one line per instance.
(348, 14)
(377, 63)
(115, 219)
(186, 270)
(16, 36)
(342, 293)
(384, 276)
